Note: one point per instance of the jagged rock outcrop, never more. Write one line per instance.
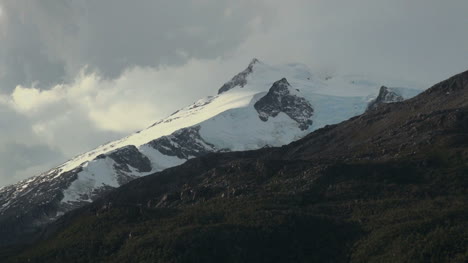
(185, 143)
(239, 79)
(130, 156)
(386, 95)
(126, 157)
(280, 99)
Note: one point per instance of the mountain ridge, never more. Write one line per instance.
(227, 121)
(388, 185)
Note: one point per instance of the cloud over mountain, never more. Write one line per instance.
(96, 70)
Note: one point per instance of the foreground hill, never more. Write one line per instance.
(262, 106)
(387, 186)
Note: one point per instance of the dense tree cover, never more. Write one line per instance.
(398, 211)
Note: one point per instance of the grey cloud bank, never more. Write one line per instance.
(50, 41)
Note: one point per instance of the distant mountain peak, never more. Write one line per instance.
(240, 79)
(254, 61)
(282, 82)
(386, 95)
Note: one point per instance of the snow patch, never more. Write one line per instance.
(160, 161)
(95, 174)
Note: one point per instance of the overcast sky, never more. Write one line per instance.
(77, 73)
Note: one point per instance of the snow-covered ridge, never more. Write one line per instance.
(228, 121)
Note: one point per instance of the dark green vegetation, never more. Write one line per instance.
(391, 212)
(387, 186)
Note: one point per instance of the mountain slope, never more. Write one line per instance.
(262, 106)
(387, 186)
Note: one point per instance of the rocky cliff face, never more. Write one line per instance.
(239, 80)
(281, 98)
(386, 95)
(126, 159)
(184, 144)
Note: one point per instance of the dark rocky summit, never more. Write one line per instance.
(386, 95)
(279, 99)
(239, 79)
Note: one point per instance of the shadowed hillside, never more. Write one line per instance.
(386, 186)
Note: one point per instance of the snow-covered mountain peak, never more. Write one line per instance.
(281, 85)
(386, 95)
(262, 106)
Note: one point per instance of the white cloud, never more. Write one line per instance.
(133, 100)
(29, 100)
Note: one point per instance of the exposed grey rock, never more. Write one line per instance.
(128, 156)
(279, 99)
(239, 79)
(386, 95)
(185, 143)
